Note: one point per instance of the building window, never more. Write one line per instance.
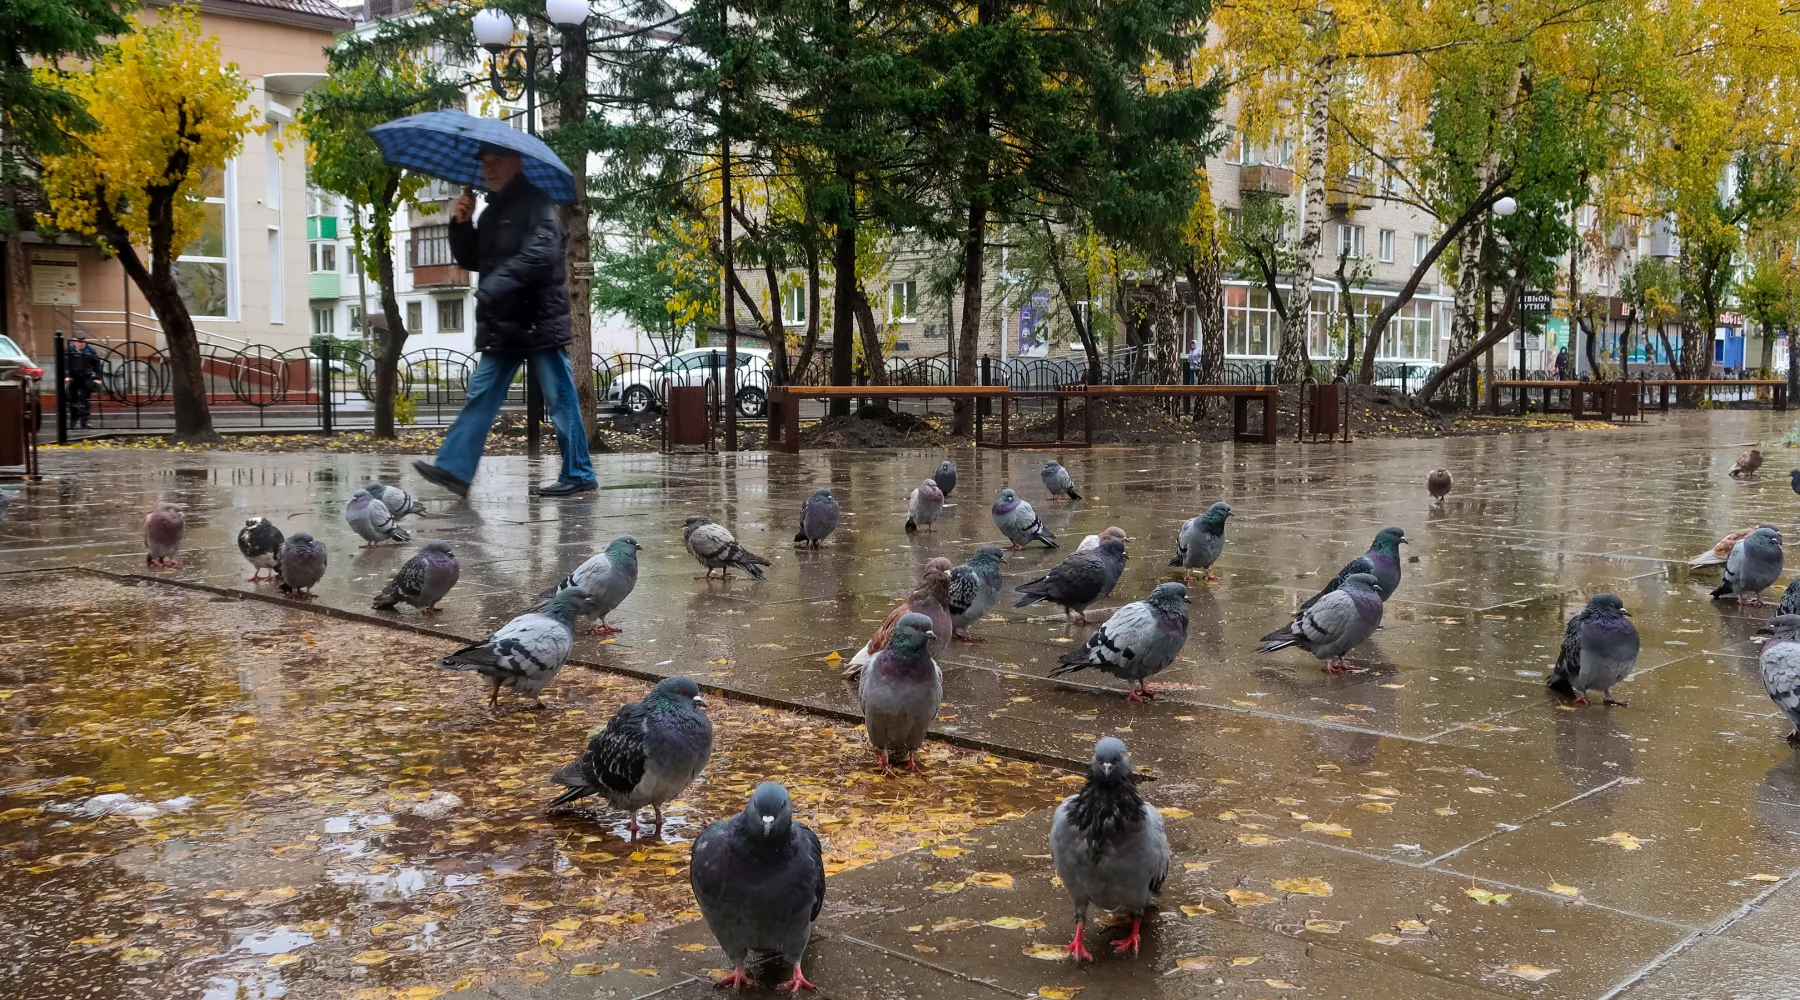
(1421, 247)
(450, 315)
(324, 322)
(415, 316)
(321, 258)
(1234, 146)
(1387, 246)
(1350, 241)
(277, 278)
(793, 304)
(1251, 325)
(429, 246)
(1409, 336)
(903, 301)
(203, 271)
(355, 317)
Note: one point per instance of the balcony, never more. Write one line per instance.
(322, 285)
(428, 253)
(439, 276)
(1347, 194)
(1264, 177)
(321, 227)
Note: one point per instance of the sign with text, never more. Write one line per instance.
(55, 278)
(1536, 301)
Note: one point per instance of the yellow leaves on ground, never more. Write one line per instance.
(953, 924)
(1015, 923)
(948, 851)
(1045, 952)
(284, 959)
(1243, 960)
(1376, 807)
(1384, 938)
(831, 657)
(1259, 839)
(1324, 926)
(594, 969)
(1058, 992)
(991, 880)
(1486, 898)
(1246, 897)
(1329, 829)
(1196, 866)
(691, 946)
(1763, 877)
(1173, 813)
(268, 896)
(139, 956)
(1196, 910)
(1529, 973)
(946, 887)
(1195, 963)
(1279, 984)
(373, 957)
(1621, 839)
(1564, 890)
(1312, 886)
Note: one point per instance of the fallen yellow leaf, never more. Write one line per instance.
(1014, 923)
(953, 924)
(1324, 926)
(992, 880)
(285, 958)
(1564, 890)
(1384, 938)
(1280, 984)
(1624, 840)
(1761, 877)
(1196, 866)
(139, 956)
(1486, 898)
(1194, 963)
(1246, 960)
(1412, 927)
(1529, 973)
(1058, 992)
(1376, 807)
(1245, 897)
(1196, 910)
(945, 887)
(1329, 829)
(372, 957)
(593, 969)
(832, 656)
(1046, 952)
(1173, 813)
(1259, 839)
(1444, 811)
(690, 946)
(1312, 886)
(646, 972)
(947, 851)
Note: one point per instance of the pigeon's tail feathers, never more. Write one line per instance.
(389, 596)
(799, 536)
(1047, 540)
(1072, 494)
(912, 526)
(1722, 589)
(399, 534)
(1070, 662)
(1705, 559)
(855, 668)
(1175, 561)
(1559, 682)
(470, 658)
(575, 780)
(1028, 600)
(1281, 638)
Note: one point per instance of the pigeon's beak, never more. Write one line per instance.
(768, 822)
(699, 700)
(1624, 612)
(1106, 768)
(1185, 599)
(1405, 541)
(930, 634)
(638, 547)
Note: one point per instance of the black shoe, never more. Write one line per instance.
(441, 478)
(564, 488)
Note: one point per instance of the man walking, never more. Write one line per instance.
(82, 369)
(1190, 365)
(521, 318)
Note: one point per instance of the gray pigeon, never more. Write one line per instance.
(1137, 642)
(759, 880)
(1599, 648)
(423, 581)
(923, 507)
(1200, 542)
(1790, 599)
(1753, 565)
(974, 587)
(901, 689)
(1438, 483)
(1077, 581)
(945, 477)
(526, 653)
(607, 578)
(818, 518)
(1382, 562)
(1018, 522)
(300, 564)
(1056, 480)
(398, 502)
(648, 754)
(371, 519)
(1341, 620)
(1109, 846)
(164, 530)
(715, 548)
(259, 540)
(1780, 663)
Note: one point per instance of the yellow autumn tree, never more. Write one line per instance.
(170, 113)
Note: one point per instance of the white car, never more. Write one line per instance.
(638, 389)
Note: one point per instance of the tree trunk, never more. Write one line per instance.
(810, 344)
(873, 361)
(1497, 331)
(968, 341)
(1766, 367)
(18, 324)
(193, 419)
(570, 109)
(1793, 372)
(393, 339)
(1465, 317)
(1209, 302)
(1082, 329)
(843, 308)
(1288, 359)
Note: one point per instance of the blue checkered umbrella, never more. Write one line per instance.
(447, 144)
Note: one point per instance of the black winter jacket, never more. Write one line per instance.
(522, 299)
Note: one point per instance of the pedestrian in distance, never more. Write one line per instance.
(82, 370)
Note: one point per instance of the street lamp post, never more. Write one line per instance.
(512, 73)
(1503, 208)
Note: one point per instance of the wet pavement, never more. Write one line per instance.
(1475, 836)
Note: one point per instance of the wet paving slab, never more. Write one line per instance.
(1439, 768)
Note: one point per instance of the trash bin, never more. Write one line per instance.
(687, 415)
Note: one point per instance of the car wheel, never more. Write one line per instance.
(753, 402)
(638, 400)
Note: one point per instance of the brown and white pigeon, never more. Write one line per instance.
(1747, 463)
(930, 598)
(164, 530)
(1717, 555)
(1438, 483)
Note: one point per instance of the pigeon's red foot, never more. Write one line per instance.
(1130, 941)
(1610, 702)
(605, 629)
(737, 980)
(912, 762)
(659, 819)
(1015, 548)
(631, 827)
(1581, 699)
(1338, 665)
(797, 982)
(881, 760)
(1139, 695)
(1211, 578)
(1076, 948)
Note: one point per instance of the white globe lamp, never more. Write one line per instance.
(493, 29)
(1506, 206)
(567, 13)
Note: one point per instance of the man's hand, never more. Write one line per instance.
(465, 206)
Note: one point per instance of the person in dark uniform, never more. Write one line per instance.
(82, 370)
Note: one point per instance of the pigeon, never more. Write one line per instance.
(1599, 648)
(1790, 599)
(1437, 483)
(1109, 846)
(163, 531)
(1077, 581)
(259, 540)
(1794, 480)
(818, 518)
(1747, 463)
(300, 564)
(398, 502)
(371, 519)
(1382, 562)
(974, 587)
(1056, 480)
(5, 500)
(648, 753)
(930, 598)
(1018, 522)
(945, 477)
(1717, 555)
(1093, 541)
(526, 653)
(423, 581)
(901, 689)
(923, 507)
(1200, 541)
(1137, 642)
(759, 880)
(607, 578)
(1338, 623)
(715, 548)
(1754, 564)
(1780, 663)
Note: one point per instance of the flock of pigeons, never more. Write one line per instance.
(759, 876)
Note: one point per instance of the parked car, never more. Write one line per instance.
(638, 389)
(15, 364)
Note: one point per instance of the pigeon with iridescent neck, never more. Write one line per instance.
(1341, 620)
(1019, 523)
(759, 881)
(649, 753)
(901, 689)
(1753, 565)
(923, 507)
(1382, 562)
(1599, 648)
(1137, 642)
(424, 581)
(398, 502)
(1201, 541)
(371, 519)
(1109, 847)
(974, 587)
(607, 579)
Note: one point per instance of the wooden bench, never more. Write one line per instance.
(1776, 386)
(1587, 400)
(1241, 397)
(784, 404)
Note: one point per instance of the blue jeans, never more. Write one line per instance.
(488, 385)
